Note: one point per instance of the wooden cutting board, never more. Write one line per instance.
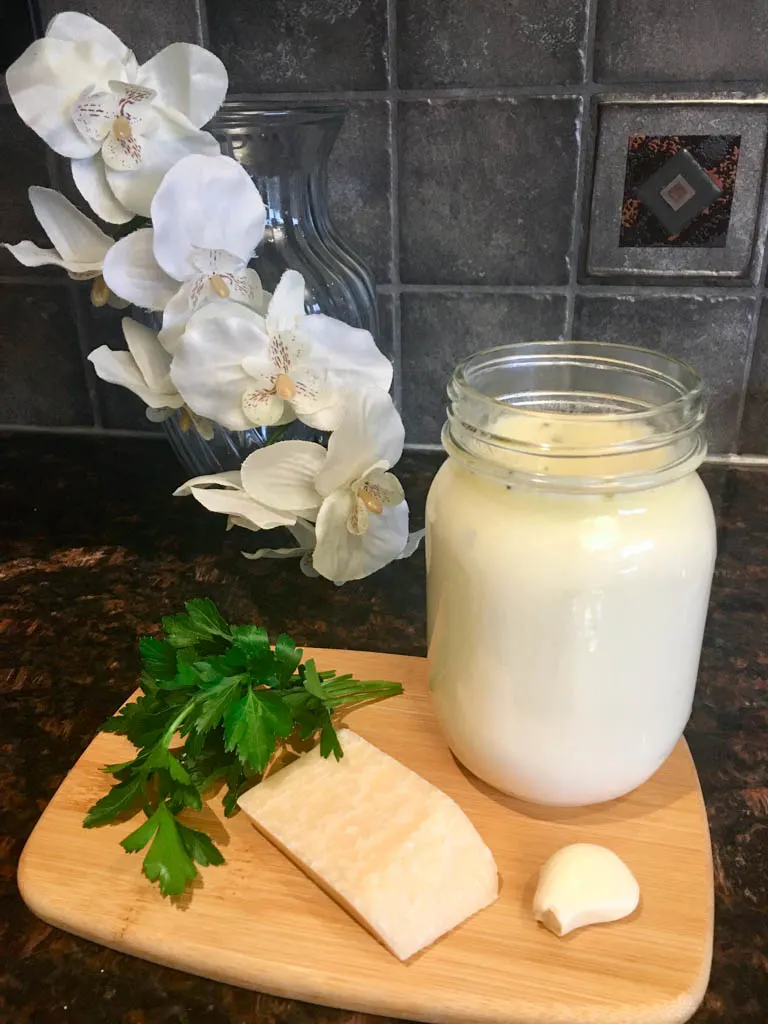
(258, 922)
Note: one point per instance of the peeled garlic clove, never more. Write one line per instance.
(584, 884)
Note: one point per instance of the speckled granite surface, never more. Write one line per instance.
(95, 551)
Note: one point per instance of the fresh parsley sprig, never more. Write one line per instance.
(235, 701)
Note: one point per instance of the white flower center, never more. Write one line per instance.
(284, 387)
(220, 286)
(121, 128)
(371, 500)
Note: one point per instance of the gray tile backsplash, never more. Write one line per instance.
(487, 190)
(359, 185)
(754, 435)
(23, 164)
(300, 45)
(489, 43)
(490, 171)
(42, 377)
(711, 333)
(144, 26)
(681, 40)
(438, 331)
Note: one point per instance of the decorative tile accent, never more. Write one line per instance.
(439, 330)
(708, 158)
(144, 26)
(690, 206)
(300, 45)
(41, 370)
(705, 40)
(486, 190)
(358, 180)
(713, 335)
(754, 431)
(449, 43)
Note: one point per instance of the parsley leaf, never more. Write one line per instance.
(158, 657)
(168, 861)
(233, 700)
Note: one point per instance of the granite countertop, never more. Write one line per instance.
(96, 550)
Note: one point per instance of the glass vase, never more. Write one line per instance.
(285, 150)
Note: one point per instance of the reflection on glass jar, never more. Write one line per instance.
(570, 552)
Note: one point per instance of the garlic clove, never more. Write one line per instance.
(584, 884)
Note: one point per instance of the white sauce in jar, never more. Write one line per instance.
(564, 628)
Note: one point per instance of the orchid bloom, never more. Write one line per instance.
(243, 370)
(304, 535)
(361, 513)
(208, 218)
(143, 369)
(80, 246)
(122, 124)
(224, 493)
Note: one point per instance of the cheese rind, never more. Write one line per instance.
(393, 849)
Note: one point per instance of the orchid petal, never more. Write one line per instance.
(122, 154)
(412, 544)
(131, 271)
(263, 408)
(44, 83)
(173, 139)
(158, 415)
(384, 486)
(351, 352)
(31, 255)
(76, 238)
(121, 368)
(341, 556)
(153, 361)
(188, 78)
(304, 534)
(230, 479)
(93, 114)
(205, 202)
(245, 287)
(90, 178)
(282, 475)
(221, 493)
(370, 432)
(207, 365)
(287, 304)
(73, 27)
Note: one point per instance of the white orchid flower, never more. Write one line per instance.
(79, 245)
(208, 218)
(143, 369)
(122, 124)
(304, 535)
(244, 370)
(224, 493)
(362, 516)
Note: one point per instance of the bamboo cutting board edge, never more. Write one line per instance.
(498, 968)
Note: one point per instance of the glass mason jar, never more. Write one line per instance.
(286, 151)
(570, 552)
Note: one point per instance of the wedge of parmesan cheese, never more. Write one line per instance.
(394, 851)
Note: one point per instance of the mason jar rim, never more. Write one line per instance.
(664, 397)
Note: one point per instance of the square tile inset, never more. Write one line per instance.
(678, 190)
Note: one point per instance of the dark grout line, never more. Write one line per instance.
(23, 428)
